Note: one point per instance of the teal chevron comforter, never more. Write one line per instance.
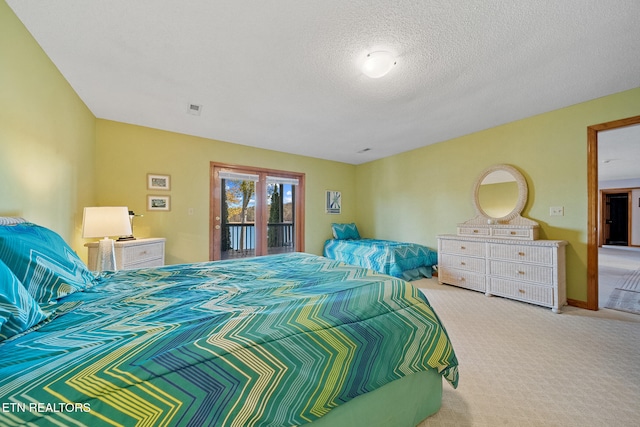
(407, 261)
(269, 341)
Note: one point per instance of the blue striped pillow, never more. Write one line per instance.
(345, 231)
(18, 310)
(47, 267)
(11, 220)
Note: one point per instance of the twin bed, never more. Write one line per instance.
(408, 261)
(280, 340)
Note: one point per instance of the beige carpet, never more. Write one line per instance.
(523, 365)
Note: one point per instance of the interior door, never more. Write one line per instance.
(616, 219)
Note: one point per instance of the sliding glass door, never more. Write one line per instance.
(255, 212)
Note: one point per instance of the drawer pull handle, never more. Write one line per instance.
(520, 272)
(463, 263)
(521, 291)
(521, 253)
(462, 248)
(461, 279)
(513, 233)
(143, 253)
(475, 231)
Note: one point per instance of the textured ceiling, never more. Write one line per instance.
(284, 74)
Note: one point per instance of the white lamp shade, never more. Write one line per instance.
(378, 64)
(106, 221)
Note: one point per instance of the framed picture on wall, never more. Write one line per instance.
(158, 182)
(158, 203)
(334, 202)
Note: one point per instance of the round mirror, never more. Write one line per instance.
(500, 193)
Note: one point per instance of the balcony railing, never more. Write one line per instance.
(239, 240)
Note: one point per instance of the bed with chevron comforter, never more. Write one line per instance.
(408, 261)
(279, 340)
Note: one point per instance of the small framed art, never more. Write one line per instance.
(158, 182)
(158, 203)
(334, 202)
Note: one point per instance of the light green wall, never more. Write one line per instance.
(415, 196)
(126, 153)
(47, 137)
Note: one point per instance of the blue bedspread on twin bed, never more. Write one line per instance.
(408, 261)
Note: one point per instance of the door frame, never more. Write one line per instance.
(592, 209)
(261, 220)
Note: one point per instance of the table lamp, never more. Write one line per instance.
(105, 222)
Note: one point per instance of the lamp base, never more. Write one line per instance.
(106, 255)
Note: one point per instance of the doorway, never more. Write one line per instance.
(255, 212)
(593, 226)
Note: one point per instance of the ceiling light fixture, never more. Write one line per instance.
(378, 64)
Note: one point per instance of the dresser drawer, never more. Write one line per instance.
(140, 253)
(513, 233)
(155, 262)
(476, 265)
(521, 291)
(530, 273)
(463, 279)
(473, 231)
(462, 247)
(524, 253)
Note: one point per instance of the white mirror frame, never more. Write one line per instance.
(522, 192)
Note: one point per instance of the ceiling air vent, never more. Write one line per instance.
(194, 109)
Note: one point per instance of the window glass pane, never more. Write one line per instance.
(280, 226)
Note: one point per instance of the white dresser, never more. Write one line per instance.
(132, 253)
(526, 270)
(498, 252)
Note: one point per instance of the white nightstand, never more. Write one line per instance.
(132, 253)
